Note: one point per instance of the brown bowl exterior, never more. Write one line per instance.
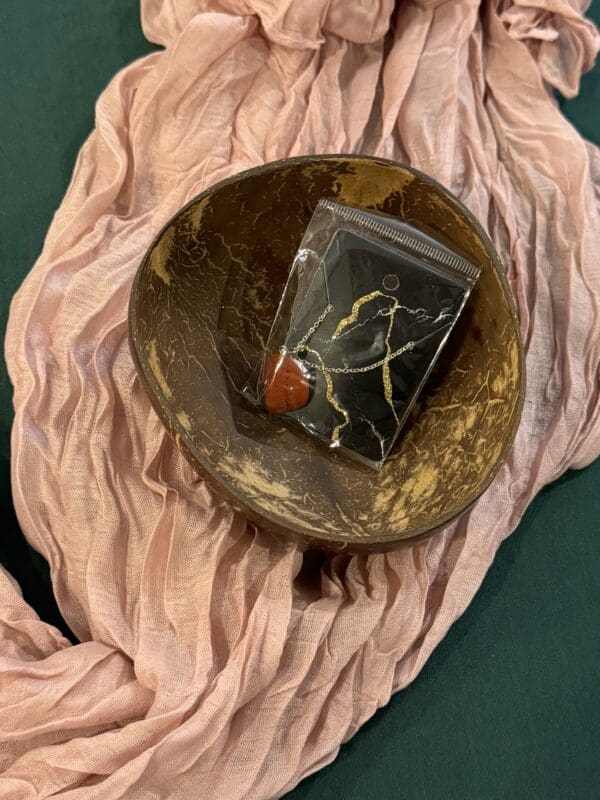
(219, 267)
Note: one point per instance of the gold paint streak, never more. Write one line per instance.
(262, 483)
(382, 500)
(331, 399)
(356, 306)
(160, 254)
(368, 184)
(442, 409)
(256, 481)
(498, 384)
(399, 519)
(385, 368)
(154, 363)
(415, 492)
(514, 362)
(184, 421)
(493, 401)
(495, 454)
(470, 419)
(425, 483)
(195, 214)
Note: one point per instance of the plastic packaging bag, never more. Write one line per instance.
(368, 306)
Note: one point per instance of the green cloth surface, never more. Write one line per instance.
(508, 706)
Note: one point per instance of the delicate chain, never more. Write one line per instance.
(376, 365)
(346, 370)
(311, 330)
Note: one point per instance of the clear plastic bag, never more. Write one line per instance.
(368, 306)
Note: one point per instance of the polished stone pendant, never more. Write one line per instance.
(287, 384)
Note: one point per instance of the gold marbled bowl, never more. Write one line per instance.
(217, 271)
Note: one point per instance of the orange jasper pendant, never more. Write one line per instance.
(287, 384)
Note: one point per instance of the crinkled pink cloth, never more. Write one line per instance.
(206, 667)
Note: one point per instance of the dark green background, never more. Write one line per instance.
(509, 704)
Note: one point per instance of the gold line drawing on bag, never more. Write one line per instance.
(384, 362)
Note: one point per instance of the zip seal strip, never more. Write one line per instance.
(441, 257)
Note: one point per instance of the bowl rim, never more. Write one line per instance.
(275, 522)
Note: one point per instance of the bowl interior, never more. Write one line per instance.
(214, 277)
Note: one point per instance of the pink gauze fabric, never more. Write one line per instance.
(205, 665)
